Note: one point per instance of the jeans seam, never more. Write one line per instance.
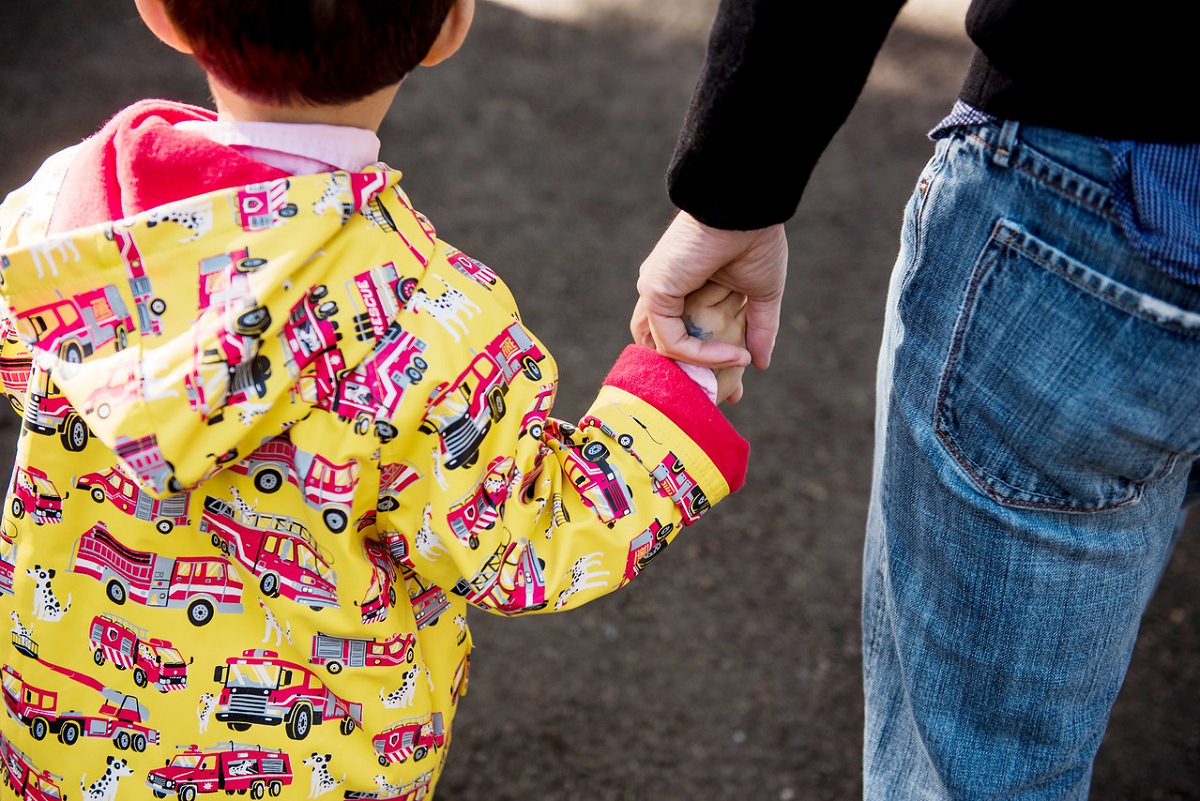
(1103, 209)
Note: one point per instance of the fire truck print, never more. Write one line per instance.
(124, 388)
(383, 292)
(150, 308)
(324, 485)
(153, 660)
(511, 580)
(462, 412)
(229, 767)
(598, 482)
(349, 192)
(415, 790)
(259, 688)
(25, 779)
(15, 369)
(645, 547)
(381, 592)
(32, 491)
(671, 480)
(200, 585)
(484, 505)
(145, 458)
(310, 329)
(394, 478)
(48, 412)
(124, 493)
(370, 393)
(336, 653)
(278, 550)
(8, 557)
(264, 205)
(414, 737)
(477, 271)
(121, 717)
(78, 326)
(428, 601)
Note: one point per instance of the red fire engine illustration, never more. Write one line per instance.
(276, 549)
(414, 737)
(477, 271)
(123, 389)
(33, 492)
(645, 547)
(228, 766)
(510, 581)
(462, 412)
(78, 326)
(384, 292)
(145, 458)
(381, 593)
(260, 688)
(309, 329)
(14, 370)
(324, 485)
(153, 661)
(598, 482)
(149, 308)
(394, 478)
(336, 653)
(48, 412)
(124, 493)
(670, 480)
(534, 420)
(349, 192)
(121, 717)
(8, 557)
(264, 205)
(371, 392)
(480, 509)
(29, 783)
(428, 600)
(201, 585)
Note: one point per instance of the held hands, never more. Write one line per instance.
(716, 314)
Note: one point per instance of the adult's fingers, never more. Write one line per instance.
(762, 327)
(673, 341)
(639, 325)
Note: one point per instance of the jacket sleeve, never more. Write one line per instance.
(496, 500)
(737, 164)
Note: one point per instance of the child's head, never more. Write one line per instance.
(309, 52)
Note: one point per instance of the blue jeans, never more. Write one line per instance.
(1038, 417)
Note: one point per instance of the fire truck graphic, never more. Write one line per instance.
(123, 389)
(372, 391)
(264, 205)
(672, 481)
(414, 737)
(48, 412)
(484, 505)
(14, 370)
(510, 581)
(78, 326)
(8, 558)
(145, 458)
(124, 493)
(428, 600)
(349, 192)
(325, 485)
(477, 271)
(381, 593)
(260, 688)
(645, 547)
(20, 774)
(336, 653)
(277, 549)
(394, 478)
(230, 767)
(149, 307)
(384, 291)
(598, 482)
(153, 661)
(121, 717)
(462, 412)
(309, 329)
(200, 585)
(33, 492)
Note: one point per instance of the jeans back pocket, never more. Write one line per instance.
(1065, 389)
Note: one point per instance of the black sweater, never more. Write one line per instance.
(1100, 67)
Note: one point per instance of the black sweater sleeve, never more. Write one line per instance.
(737, 165)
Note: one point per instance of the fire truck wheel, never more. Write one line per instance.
(391, 596)
(388, 504)
(334, 667)
(139, 743)
(269, 584)
(122, 740)
(253, 323)
(420, 363)
(335, 519)
(414, 374)
(116, 592)
(74, 433)
(473, 541)
(200, 612)
(139, 677)
(298, 725)
(275, 787)
(18, 407)
(159, 793)
(72, 353)
(420, 753)
(69, 733)
(385, 431)
(384, 761)
(532, 371)
(268, 480)
(535, 430)
(326, 310)
(18, 508)
(98, 656)
(258, 789)
(122, 338)
(496, 403)
(239, 726)
(677, 467)
(187, 793)
(164, 526)
(625, 441)
(595, 451)
(317, 292)
(158, 305)
(289, 210)
(405, 289)
(346, 727)
(249, 265)
(38, 728)
(362, 424)
(411, 655)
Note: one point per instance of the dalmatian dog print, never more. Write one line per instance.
(386, 788)
(196, 218)
(322, 780)
(19, 629)
(445, 308)
(272, 625)
(46, 605)
(204, 710)
(460, 621)
(402, 697)
(105, 788)
(428, 544)
(583, 577)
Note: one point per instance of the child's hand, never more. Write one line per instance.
(716, 313)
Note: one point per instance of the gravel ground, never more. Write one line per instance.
(732, 669)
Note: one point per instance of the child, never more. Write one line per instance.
(278, 435)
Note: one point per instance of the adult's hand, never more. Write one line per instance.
(691, 253)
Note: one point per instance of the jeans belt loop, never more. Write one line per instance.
(1006, 143)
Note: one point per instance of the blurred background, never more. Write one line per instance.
(732, 667)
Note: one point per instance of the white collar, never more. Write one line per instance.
(294, 147)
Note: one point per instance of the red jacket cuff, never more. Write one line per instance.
(657, 380)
